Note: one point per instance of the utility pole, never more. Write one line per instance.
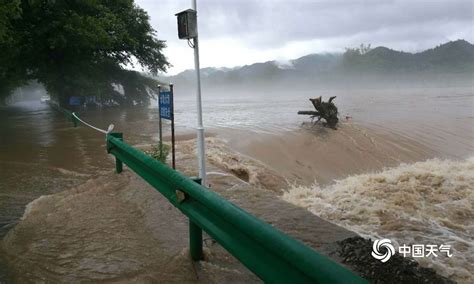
(188, 29)
(200, 127)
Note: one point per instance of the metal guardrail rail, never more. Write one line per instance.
(66, 112)
(269, 253)
(272, 255)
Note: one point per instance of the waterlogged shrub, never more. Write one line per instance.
(156, 154)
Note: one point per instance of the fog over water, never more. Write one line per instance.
(441, 118)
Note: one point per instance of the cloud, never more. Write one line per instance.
(234, 32)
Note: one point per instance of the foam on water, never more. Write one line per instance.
(427, 202)
(228, 161)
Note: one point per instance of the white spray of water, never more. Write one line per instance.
(427, 202)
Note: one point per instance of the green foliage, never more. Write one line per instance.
(362, 49)
(10, 75)
(156, 154)
(10, 9)
(79, 48)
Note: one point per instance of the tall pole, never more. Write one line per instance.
(173, 152)
(200, 127)
(159, 122)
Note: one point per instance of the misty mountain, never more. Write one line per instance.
(451, 60)
(452, 57)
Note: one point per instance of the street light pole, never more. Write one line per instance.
(200, 127)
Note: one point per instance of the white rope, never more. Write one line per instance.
(111, 127)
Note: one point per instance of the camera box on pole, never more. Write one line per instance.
(187, 24)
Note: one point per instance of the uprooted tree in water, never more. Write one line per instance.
(326, 110)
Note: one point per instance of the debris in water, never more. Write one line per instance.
(326, 110)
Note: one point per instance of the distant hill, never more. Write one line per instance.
(455, 56)
(454, 59)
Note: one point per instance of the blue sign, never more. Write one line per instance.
(74, 101)
(165, 102)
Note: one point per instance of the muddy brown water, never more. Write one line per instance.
(42, 154)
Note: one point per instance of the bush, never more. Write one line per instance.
(156, 154)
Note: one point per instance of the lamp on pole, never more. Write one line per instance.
(188, 29)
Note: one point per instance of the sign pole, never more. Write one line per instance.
(172, 128)
(159, 119)
(200, 127)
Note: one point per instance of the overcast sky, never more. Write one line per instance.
(240, 32)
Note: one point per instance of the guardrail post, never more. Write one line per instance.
(195, 237)
(118, 163)
(195, 241)
(74, 121)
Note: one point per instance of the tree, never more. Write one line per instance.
(10, 75)
(354, 56)
(80, 47)
(10, 10)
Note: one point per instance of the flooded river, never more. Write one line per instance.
(262, 141)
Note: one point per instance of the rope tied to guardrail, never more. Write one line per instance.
(109, 129)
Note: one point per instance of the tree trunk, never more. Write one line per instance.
(326, 110)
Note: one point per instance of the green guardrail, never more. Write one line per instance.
(269, 253)
(66, 112)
